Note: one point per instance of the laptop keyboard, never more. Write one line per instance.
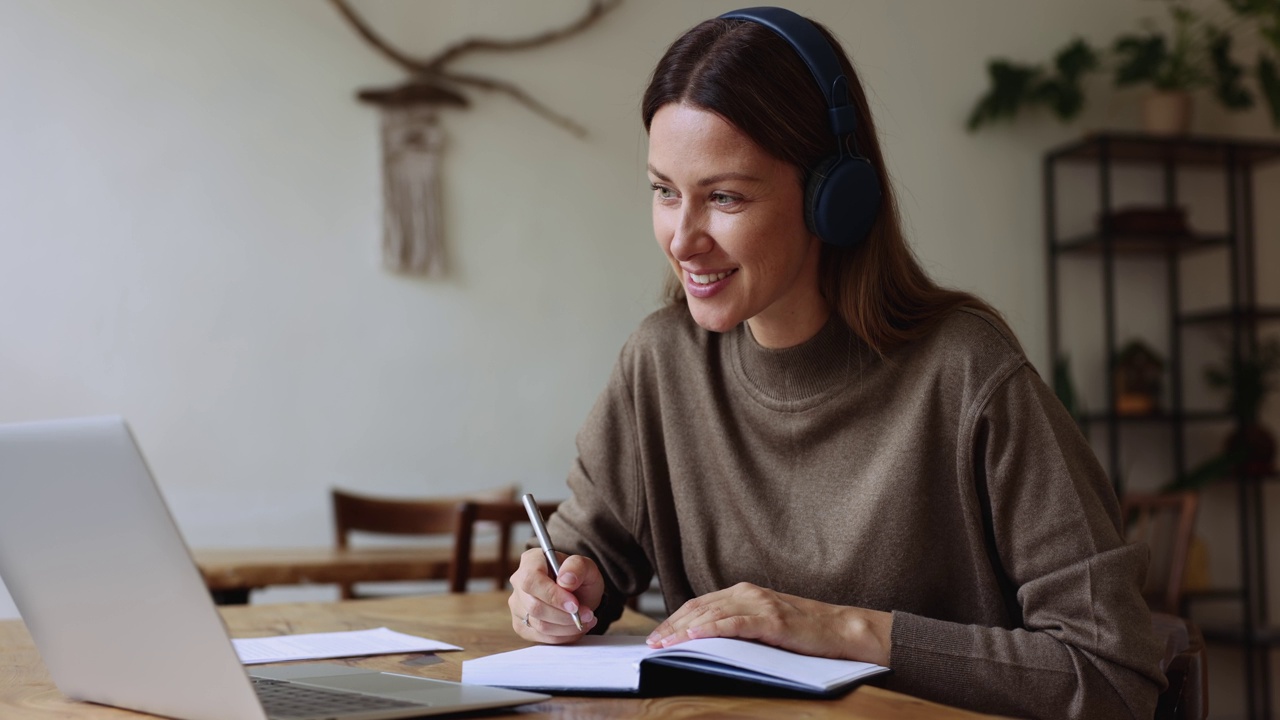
(290, 700)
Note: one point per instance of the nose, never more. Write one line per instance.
(691, 236)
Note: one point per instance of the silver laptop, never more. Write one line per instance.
(120, 613)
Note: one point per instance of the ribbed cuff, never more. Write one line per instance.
(934, 659)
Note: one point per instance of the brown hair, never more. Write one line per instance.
(748, 75)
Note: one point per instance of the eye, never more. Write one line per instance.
(662, 192)
(720, 199)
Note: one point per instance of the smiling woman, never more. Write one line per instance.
(818, 447)
(728, 216)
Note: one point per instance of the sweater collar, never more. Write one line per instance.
(809, 371)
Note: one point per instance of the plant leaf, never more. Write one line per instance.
(1269, 79)
(1076, 59)
(1227, 73)
(1267, 15)
(1064, 97)
(1140, 58)
(1206, 472)
(1009, 91)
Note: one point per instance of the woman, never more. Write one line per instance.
(815, 446)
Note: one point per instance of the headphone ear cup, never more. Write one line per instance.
(842, 200)
(814, 181)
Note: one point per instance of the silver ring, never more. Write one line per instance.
(526, 620)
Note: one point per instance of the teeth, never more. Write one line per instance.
(706, 279)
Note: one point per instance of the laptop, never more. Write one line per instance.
(120, 614)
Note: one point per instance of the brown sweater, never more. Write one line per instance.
(945, 484)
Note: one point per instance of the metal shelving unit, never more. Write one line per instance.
(1242, 316)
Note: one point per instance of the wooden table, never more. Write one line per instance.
(231, 573)
(479, 622)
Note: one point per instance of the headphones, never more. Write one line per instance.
(842, 192)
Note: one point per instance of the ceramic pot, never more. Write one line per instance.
(1166, 112)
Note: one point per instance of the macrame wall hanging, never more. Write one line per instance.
(412, 139)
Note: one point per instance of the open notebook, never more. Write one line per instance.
(626, 665)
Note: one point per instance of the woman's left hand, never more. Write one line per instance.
(793, 623)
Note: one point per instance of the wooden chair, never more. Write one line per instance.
(398, 516)
(1185, 667)
(1165, 523)
(505, 515)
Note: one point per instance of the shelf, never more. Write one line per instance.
(1142, 244)
(1098, 159)
(1234, 635)
(1211, 594)
(1186, 150)
(1244, 315)
(1208, 416)
(1162, 416)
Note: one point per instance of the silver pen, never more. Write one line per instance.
(540, 529)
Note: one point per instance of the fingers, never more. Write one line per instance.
(531, 624)
(739, 611)
(581, 576)
(573, 571)
(793, 623)
(673, 628)
(540, 607)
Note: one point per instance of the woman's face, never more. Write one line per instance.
(730, 218)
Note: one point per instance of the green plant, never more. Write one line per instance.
(1065, 389)
(1265, 14)
(1248, 379)
(1194, 54)
(1216, 467)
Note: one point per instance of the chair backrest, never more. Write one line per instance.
(504, 514)
(354, 512)
(1165, 523)
(1185, 667)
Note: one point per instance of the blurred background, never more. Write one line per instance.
(190, 224)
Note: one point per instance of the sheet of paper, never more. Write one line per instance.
(315, 646)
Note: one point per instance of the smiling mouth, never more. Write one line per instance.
(713, 277)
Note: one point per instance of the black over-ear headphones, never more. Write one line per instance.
(842, 194)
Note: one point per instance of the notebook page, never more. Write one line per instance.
(612, 663)
(596, 662)
(823, 673)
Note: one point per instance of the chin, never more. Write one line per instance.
(713, 321)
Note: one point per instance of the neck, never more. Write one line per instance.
(789, 329)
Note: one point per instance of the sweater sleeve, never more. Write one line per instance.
(602, 516)
(1084, 647)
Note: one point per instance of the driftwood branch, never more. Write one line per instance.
(430, 72)
(521, 96)
(595, 11)
(435, 65)
(414, 66)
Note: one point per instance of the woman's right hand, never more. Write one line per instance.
(541, 606)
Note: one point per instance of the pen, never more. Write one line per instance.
(540, 529)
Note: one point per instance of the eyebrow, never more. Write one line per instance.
(712, 180)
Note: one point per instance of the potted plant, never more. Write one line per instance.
(1174, 69)
(1193, 54)
(1250, 449)
(1137, 371)
(1249, 379)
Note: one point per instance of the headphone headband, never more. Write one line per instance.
(817, 54)
(842, 191)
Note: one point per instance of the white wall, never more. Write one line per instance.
(189, 223)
